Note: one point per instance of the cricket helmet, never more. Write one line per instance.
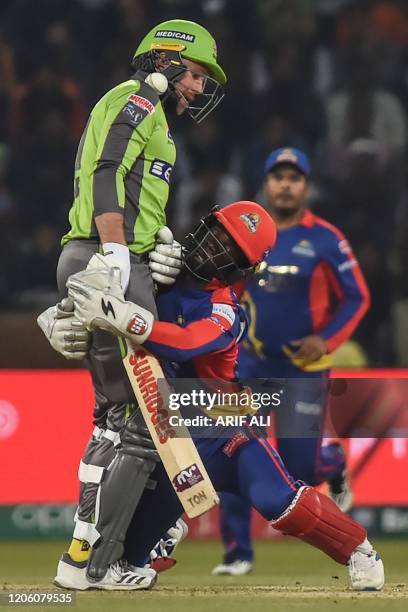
(230, 242)
(163, 49)
(191, 40)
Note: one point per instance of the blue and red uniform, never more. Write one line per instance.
(197, 333)
(310, 283)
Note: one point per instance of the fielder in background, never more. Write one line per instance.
(200, 326)
(306, 299)
(122, 175)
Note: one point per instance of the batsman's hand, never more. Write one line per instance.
(105, 308)
(166, 260)
(63, 330)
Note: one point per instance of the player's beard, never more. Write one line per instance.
(285, 212)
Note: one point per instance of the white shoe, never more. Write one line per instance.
(236, 568)
(340, 492)
(121, 576)
(366, 568)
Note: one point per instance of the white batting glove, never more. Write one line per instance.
(165, 261)
(106, 308)
(116, 256)
(66, 334)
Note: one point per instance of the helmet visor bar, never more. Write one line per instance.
(208, 256)
(204, 103)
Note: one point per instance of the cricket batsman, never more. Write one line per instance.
(199, 328)
(122, 174)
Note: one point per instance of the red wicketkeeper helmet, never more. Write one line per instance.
(230, 242)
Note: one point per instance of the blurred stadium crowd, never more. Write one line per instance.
(328, 76)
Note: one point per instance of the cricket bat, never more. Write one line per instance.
(175, 446)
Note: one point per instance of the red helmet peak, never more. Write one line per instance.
(251, 226)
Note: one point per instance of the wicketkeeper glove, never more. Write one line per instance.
(160, 558)
(66, 334)
(99, 304)
(165, 261)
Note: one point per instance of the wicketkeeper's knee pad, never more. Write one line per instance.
(316, 519)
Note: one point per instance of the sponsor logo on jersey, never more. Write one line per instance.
(304, 248)
(283, 269)
(134, 113)
(225, 311)
(347, 265)
(251, 220)
(187, 478)
(161, 169)
(137, 325)
(142, 103)
(175, 34)
(344, 247)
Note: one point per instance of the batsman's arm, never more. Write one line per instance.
(126, 128)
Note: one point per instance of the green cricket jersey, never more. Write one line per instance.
(124, 161)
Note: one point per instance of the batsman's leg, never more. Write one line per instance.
(105, 491)
(119, 493)
(106, 475)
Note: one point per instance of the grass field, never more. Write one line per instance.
(288, 576)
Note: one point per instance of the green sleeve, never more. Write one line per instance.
(128, 125)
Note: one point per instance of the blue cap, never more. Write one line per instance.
(288, 155)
